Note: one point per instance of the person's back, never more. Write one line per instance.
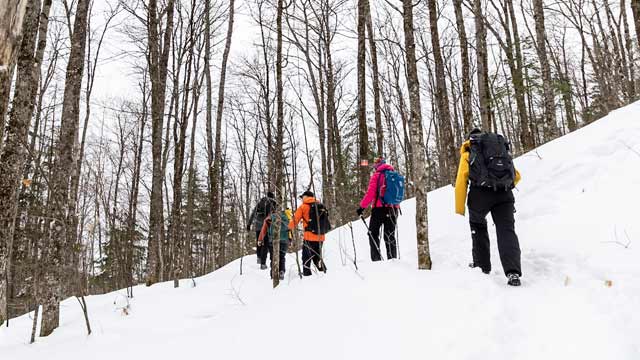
(270, 234)
(486, 165)
(260, 212)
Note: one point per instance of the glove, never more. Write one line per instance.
(249, 227)
(360, 211)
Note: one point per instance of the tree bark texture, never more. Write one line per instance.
(14, 149)
(158, 59)
(57, 268)
(550, 127)
(417, 139)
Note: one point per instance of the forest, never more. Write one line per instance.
(106, 189)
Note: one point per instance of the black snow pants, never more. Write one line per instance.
(380, 216)
(312, 252)
(284, 247)
(264, 249)
(500, 203)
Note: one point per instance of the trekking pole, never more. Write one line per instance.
(371, 236)
(398, 213)
(354, 245)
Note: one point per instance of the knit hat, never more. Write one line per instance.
(307, 193)
(474, 132)
(379, 161)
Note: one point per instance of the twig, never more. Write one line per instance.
(630, 148)
(235, 293)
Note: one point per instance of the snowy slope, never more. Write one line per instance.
(579, 194)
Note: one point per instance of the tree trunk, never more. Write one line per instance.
(363, 133)
(158, 59)
(550, 127)
(448, 153)
(635, 9)
(216, 190)
(12, 13)
(484, 97)
(419, 151)
(467, 111)
(63, 233)
(13, 152)
(279, 156)
(376, 82)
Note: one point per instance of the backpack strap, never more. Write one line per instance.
(378, 188)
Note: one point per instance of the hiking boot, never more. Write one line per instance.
(263, 267)
(513, 279)
(281, 275)
(473, 265)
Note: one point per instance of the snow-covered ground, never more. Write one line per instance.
(577, 206)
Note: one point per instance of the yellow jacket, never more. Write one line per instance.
(462, 180)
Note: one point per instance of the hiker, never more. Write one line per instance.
(267, 233)
(382, 213)
(486, 165)
(315, 219)
(262, 210)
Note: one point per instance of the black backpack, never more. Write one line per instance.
(264, 208)
(319, 223)
(490, 162)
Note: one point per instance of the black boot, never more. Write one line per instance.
(513, 279)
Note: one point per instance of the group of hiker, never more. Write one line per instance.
(485, 179)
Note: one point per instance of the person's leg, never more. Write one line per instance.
(390, 233)
(306, 258)
(377, 219)
(508, 244)
(284, 246)
(258, 248)
(478, 204)
(319, 262)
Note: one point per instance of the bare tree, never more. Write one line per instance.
(158, 59)
(419, 170)
(550, 126)
(57, 251)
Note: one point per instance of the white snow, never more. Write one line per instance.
(579, 195)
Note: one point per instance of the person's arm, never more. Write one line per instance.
(518, 178)
(264, 230)
(372, 191)
(251, 218)
(296, 218)
(462, 181)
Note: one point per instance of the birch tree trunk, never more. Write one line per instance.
(57, 268)
(419, 170)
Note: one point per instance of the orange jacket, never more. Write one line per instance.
(302, 213)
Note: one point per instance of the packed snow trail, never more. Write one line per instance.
(577, 221)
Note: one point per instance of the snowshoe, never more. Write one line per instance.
(513, 279)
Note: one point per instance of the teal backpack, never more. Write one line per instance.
(284, 227)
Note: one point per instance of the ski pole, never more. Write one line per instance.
(354, 245)
(371, 236)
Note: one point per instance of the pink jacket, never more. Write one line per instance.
(372, 191)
